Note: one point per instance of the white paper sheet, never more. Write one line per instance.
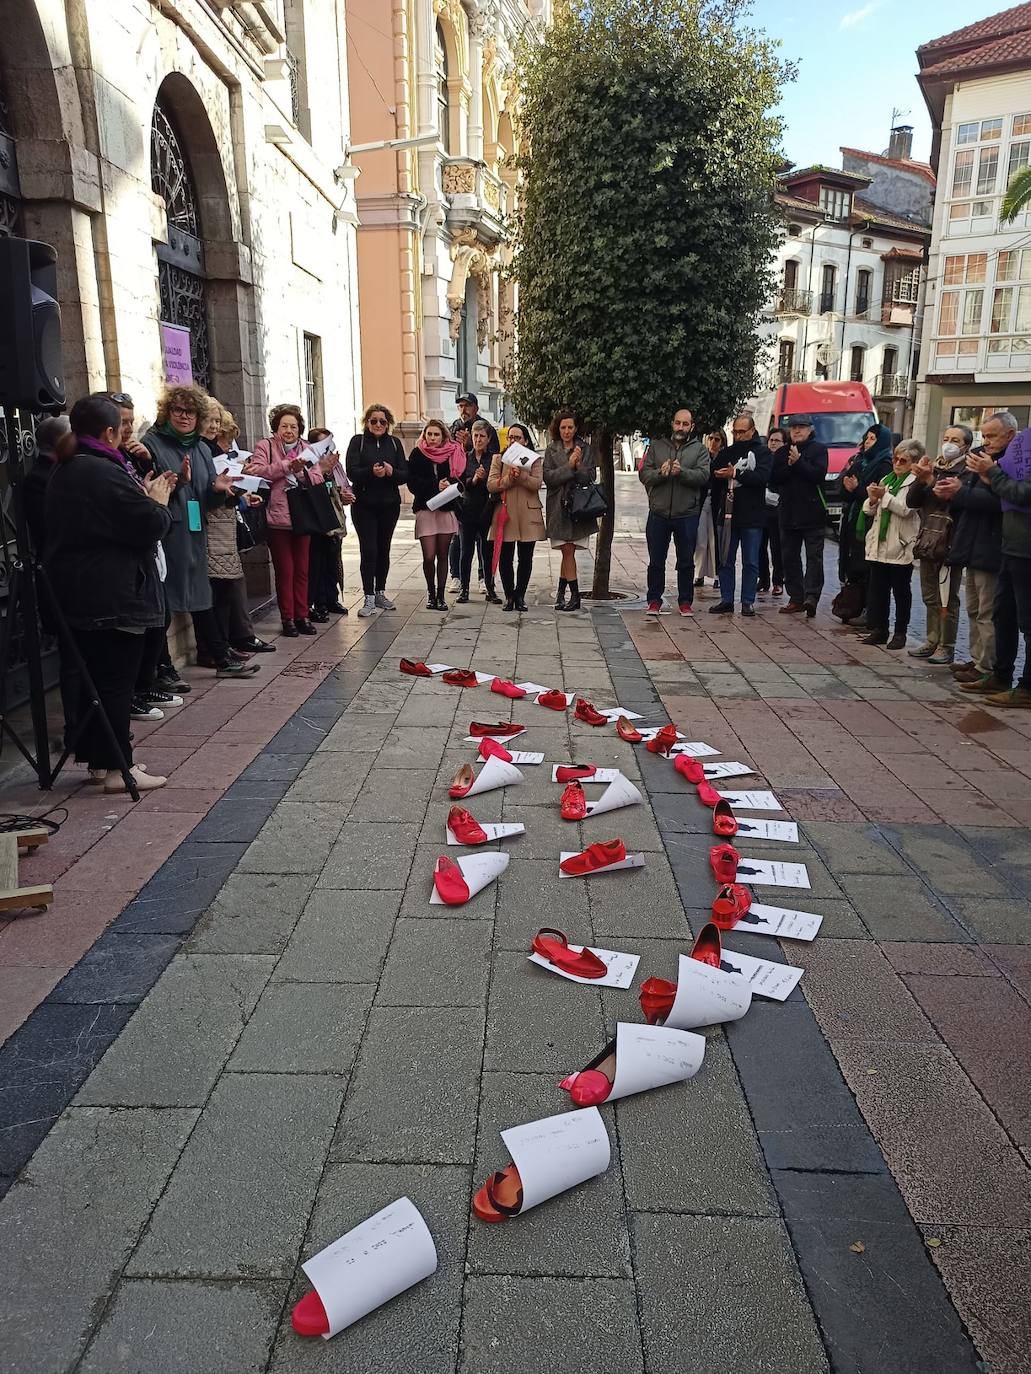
(755, 828)
(478, 870)
(652, 730)
(324, 446)
(599, 774)
(622, 967)
(557, 1153)
(533, 689)
(696, 750)
(249, 483)
(501, 738)
(752, 801)
(620, 792)
(519, 456)
(481, 678)
(631, 861)
(436, 668)
(763, 976)
(445, 497)
(500, 830)
(780, 921)
(223, 464)
(726, 770)
(706, 996)
(613, 713)
(526, 756)
(772, 873)
(494, 773)
(652, 1057)
(372, 1264)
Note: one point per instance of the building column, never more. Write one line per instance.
(476, 27)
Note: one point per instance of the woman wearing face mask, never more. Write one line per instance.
(870, 463)
(435, 463)
(889, 527)
(770, 565)
(281, 460)
(567, 459)
(932, 547)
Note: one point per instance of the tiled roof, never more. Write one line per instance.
(1013, 49)
(805, 173)
(907, 164)
(999, 25)
(865, 210)
(791, 202)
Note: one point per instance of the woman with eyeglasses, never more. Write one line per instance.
(522, 524)
(377, 469)
(771, 569)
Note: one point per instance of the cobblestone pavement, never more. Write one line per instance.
(276, 1034)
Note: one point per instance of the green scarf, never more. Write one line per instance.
(185, 441)
(890, 483)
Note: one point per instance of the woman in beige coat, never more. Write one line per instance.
(523, 524)
(891, 527)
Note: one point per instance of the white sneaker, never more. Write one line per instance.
(384, 603)
(145, 782)
(369, 607)
(141, 711)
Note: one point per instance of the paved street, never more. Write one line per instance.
(241, 1029)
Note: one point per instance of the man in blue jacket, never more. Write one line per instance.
(739, 478)
(799, 472)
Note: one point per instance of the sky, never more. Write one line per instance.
(857, 60)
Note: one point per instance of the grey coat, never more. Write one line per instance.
(187, 587)
(557, 476)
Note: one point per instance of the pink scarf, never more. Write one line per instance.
(452, 451)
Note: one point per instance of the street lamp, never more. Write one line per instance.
(347, 172)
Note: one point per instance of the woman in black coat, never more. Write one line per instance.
(377, 469)
(477, 511)
(103, 527)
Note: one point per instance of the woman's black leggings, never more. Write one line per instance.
(475, 537)
(375, 529)
(887, 580)
(515, 584)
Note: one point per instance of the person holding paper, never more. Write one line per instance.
(436, 464)
(890, 526)
(798, 475)
(568, 459)
(739, 478)
(377, 470)
(325, 565)
(522, 524)
(476, 513)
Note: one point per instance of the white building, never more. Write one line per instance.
(977, 327)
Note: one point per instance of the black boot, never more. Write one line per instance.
(573, 604)
(492, 594)
(560, 600)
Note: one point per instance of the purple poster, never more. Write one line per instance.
(175, 344)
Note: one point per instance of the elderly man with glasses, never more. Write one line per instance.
(799, 472)
(739, 478)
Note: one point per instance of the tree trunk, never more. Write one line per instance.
(603, 549)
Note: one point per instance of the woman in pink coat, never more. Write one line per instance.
(281, 460)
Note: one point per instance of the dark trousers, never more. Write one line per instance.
(155, 647)
(771, 570)
(748, 541)
(658, 531)
(809, 587)
(887, 580)
(455, 556)
(208, 628)
(323, 571)
(113, 661)
(1011, 617)
(475, 541)
(240, 624)
(516, 583)
(375, 529)
(290, 560)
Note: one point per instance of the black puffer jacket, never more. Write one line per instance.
(363, 453)
(800, 486)
(977, 531)
(749, 510)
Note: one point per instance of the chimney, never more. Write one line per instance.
(900, 145)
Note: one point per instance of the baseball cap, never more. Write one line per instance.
(467, 396)
(800, 420)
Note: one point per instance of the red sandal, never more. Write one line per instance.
(688, 768)
(460, 677)
(724, 859)
(595, 856)
(490, 748)
(724, 822)
(449, 880)
(553, 700)
(500, 1197)
(505, 688)
(626, 731)
(465, 827)
(574, 772)
(592, 1085)
(414, 668)
(586, 713)
(707, 794)
(503, 729)
(730, 905)
(553, 945)
(664, 740)
(573, 806)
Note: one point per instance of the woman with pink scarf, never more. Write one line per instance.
(434, 464)
(281, 460)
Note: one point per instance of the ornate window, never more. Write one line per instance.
(181, 260)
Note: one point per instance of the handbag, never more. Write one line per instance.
(935, 537)
(311, 508)
(585, 501)
(244, 534)
(848, 602)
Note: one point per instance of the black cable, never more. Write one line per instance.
(11, 822)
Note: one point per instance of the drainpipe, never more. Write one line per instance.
(859, 229)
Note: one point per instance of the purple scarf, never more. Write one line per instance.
(1016, 463)
(106, 451)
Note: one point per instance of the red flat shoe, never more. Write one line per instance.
(688, 768)
(553, 945)
(479, 729)
(724, 860)
(592, 1085)
(461, 782)
(657, 996)
(708, 948)
(553, 700)
(460, 677)
(724, 822)
(573, 805)
(449, 881)
(309, 1316)
(730, 905)
(504, 688)
(626, 731)
(465, 827)
(490, 748)
(595, 856)
(586, 713)
(663, 741)
(707, 794)
(574, 772)
(414, 668)
(500, 1197)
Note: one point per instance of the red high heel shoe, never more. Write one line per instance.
(504, 688)
(659, 994)
(462, 781)
(707, 794)
(574, 772)
(663, 741)
(724, 859)
(573, 806)
(626, 731)
(595, 856)
(500, 729)
(500, 1197)
(490, 748)
(553, 700)
(586, 713)
(730, 905)
(309, 1316)
(460, 677)
(465, 827)
(689, 768)
(708, 948)
(724, 822)
(414, 668)
(592, 1085)
(449, 881)
(553, 945)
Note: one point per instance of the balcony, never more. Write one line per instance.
(478, 199)
(781, 375)
(792, 301)
(891, 386)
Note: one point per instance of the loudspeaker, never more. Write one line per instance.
(31, 369)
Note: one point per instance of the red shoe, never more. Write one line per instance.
(491, 748)
(595, 856)
(707, 794)
(451, 886)
(461, 782)
(414, 668)
(465, 827)
(500, 1197)
(724, 822)
(663, 741)
(480, 728)
(585, 712)
(553, 945)
(626, 731)
(688, 768)
(730, 905)
(309, 1316)
(591, 1086)
(657, 996)
(708, 948)
(504, 688)
(724, 860)
(573, 772)
(553, 700)
(460, 677)
(573, 805)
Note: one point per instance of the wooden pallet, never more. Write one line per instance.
(13, 897)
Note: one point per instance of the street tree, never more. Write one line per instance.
(645, 232)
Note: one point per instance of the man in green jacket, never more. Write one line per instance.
(675, 472)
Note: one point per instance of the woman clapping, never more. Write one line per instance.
(518, 520)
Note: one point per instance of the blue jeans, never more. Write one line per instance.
(658, 531)
(748, 540)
